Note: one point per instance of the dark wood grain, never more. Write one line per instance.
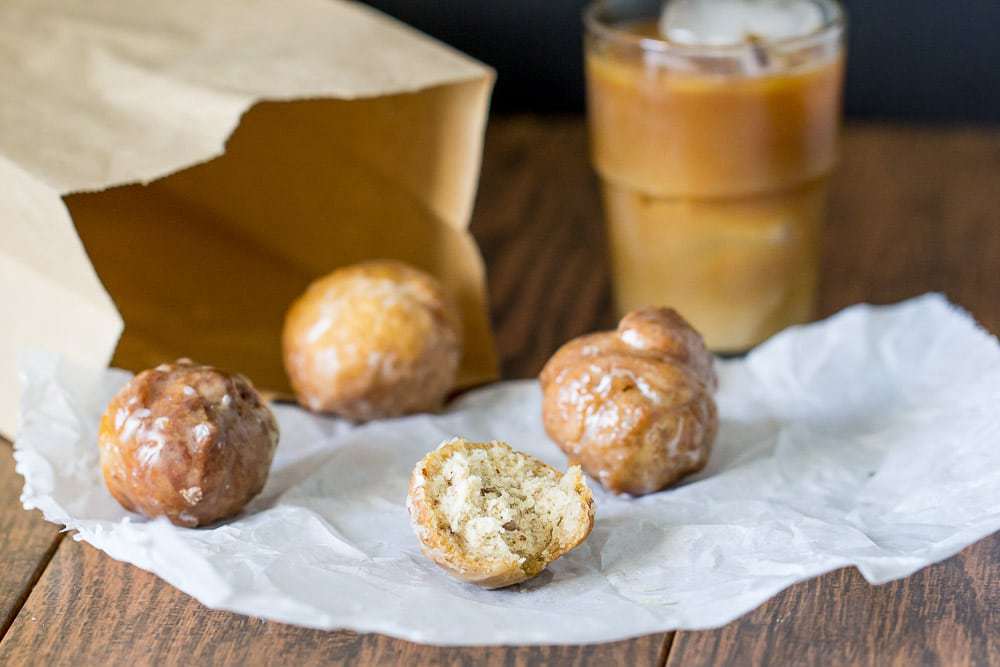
(947, 614)
(91, 610)
(26, 542)
(915, 210)
(538, 222)
(912, 210)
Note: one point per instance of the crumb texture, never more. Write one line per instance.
(490, 508)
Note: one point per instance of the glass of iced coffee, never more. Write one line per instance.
(713, 129)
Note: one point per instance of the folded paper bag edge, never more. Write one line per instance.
(197, 89)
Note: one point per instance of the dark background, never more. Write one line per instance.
(922, 60)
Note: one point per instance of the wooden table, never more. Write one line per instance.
(913, 210)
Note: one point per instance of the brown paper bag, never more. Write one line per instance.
(214, 158)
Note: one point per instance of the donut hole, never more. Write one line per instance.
(502, 506)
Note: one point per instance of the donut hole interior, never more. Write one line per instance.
(501, 506)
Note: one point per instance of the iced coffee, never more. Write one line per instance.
(714, 129)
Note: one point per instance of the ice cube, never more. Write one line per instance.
(727, 22)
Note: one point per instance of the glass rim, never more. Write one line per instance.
(834, 24)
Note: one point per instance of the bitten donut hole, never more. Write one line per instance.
(501, 506)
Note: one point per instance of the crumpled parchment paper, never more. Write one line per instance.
(870, 439)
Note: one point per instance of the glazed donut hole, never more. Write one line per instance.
(634, 407)
(188, 442)
(372, 340)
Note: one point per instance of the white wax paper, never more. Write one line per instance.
(871, 439)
